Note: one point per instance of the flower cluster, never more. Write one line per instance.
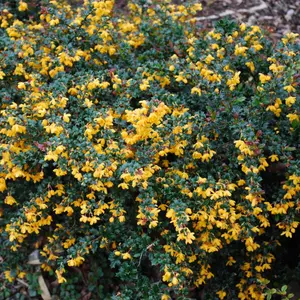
(137, 144)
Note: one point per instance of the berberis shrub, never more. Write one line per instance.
(145, 157)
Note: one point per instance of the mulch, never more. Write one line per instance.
(276, 16)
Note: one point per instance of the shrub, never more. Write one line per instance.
(145, 157)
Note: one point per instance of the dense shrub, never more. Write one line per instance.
(145, 157)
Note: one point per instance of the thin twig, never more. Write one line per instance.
(148, 247)
(23, 282)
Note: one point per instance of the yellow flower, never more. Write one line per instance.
(251, 245)
(239, 50)
(289, 88)
(215, 35)
(230, 261)
(221, 294)
(21, 274)
(167, 275)
(21, 86)
(68, 243)
(54, 22)
(234, 81)
(10, 200)
(276, 68)
(59, 172)
(209, 59)
(59, 276)
(292, 117)
(51, 156)
(8, 276)
(126, 256)
(243, 27)
(72, 91)
(290, 101)
(289, 37)
(2, 74)
(75, 262)
(122, 219)
(196, 90)
(257, 47)
(92, 85)
(104, 85)
(174, 280)
(124, 186)
(66, 117)
(264, 78)
(273, 157)
(189, 238)
(88, 102)
(144, 85)
(2, 185)
(181, 77)
(23, 6)
(250, 65)
(197, 7)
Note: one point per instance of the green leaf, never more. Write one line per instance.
(239, 100)
(284, 288)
